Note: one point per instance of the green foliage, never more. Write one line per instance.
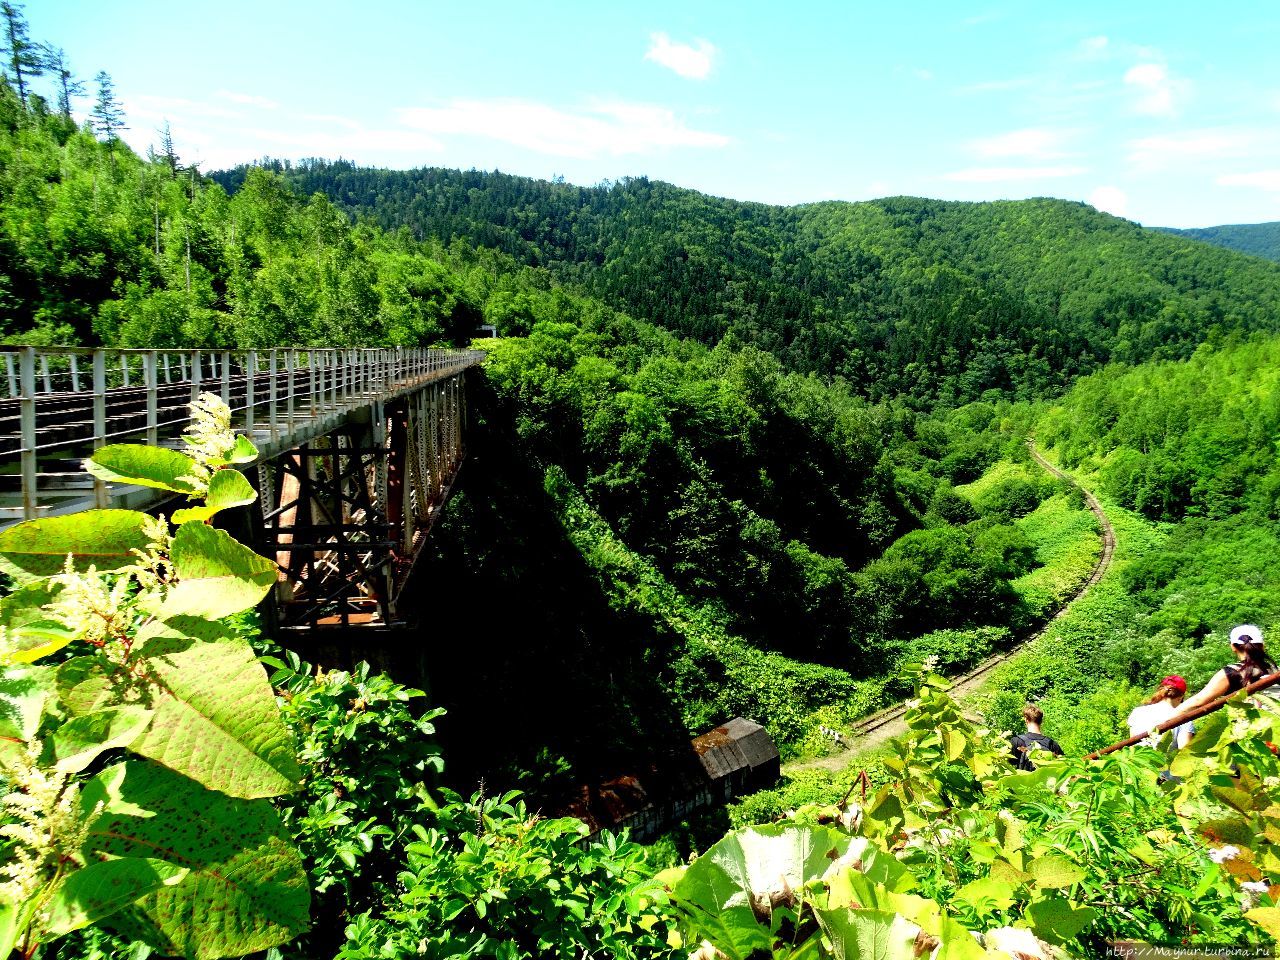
(960, 843)
(899, 296)
(491, 879)
(1259, 239)
(174, 847)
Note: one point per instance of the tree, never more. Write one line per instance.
(107, 115)
(167, 154)
(25, 59)
(68, 85)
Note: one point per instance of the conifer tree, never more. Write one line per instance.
(68, 85)
(25, 59)
(107, 115)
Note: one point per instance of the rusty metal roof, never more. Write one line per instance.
(738, 745)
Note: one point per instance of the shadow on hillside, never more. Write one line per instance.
(518, 644)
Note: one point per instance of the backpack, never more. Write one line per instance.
(1024, 743)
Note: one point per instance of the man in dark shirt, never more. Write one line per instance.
(1033, 739)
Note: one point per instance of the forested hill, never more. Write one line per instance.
(1260, 239)
(939, 300)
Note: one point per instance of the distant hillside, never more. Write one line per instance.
(939, 300)
(1260, 239)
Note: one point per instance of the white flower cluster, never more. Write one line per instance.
(209, 438)
(47, 827)
(1223, 854)
(90, 607)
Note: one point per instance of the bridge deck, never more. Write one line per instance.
(64, 402)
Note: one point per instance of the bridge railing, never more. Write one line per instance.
(59, 403)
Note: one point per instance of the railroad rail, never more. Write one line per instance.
(358, 451)
(873, 726)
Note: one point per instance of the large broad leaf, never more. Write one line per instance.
(227, 489)
(246, 889)
(79, 741)
(870, 935)
(28, 626)
(216, 719)
(1054, 871)
(85, 684)
(850, 889)
(243, 452)
(144, 466)
(100, 889)
(987, 895)
(732, 890)
(1268, 918)
(1056, 920)
(104, 539)
(217, 575)
(23, 692)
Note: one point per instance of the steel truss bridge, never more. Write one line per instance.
(359, 449)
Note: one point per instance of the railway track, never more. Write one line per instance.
(885, 724)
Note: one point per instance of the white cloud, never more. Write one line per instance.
(248, 99)
(1094, 44)
(1156, 89)
(1111, 200)
(692, 62)
(922, 74)
(606, 127)
(1268, 180)
(1159, 152)
(1033, 144)
(998, 174)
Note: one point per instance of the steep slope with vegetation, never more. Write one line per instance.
(901, 296)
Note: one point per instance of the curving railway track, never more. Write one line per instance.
(875, 729)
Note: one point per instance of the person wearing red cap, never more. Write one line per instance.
(1163, 704)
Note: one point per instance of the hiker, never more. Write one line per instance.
(1033, 739)
(1253, 664)
(1163, 705)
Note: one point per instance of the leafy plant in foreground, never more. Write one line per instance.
(489, 878)
(962, 854)
(176, 843)
(364, 759)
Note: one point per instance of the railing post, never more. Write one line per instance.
(99, 419)
(311, 369)
(196, 374)
(44, 373)
(272, 394)
(30, 495)
(226, 377)
(13, 380)
(124, 369)
(75, 374)
(251, 363)
(149, 378)
(291, 364)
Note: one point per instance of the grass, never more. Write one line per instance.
(1067, 542)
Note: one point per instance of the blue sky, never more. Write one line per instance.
(1167, 113)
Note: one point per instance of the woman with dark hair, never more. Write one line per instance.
(1252, 664)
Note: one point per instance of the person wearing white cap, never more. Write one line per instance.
(1252, 664)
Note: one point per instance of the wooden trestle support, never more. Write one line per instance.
(345, 514)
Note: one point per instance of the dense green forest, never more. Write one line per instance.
(900, 297)
(1260, 239)
(724, 459)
